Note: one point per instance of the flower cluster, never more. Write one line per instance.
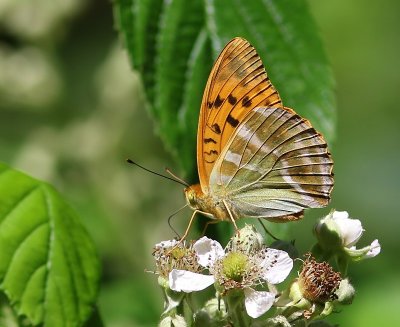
(236, 270)
(245, 272)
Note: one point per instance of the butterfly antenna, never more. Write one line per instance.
(176, 177)
(267, 231)
(170, 217)
(177, 180)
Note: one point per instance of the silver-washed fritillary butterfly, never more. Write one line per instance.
(255, 157)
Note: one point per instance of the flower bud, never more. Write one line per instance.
(313, 292)
(329, 232)
(337, 235)
(345, 293)
(216, 310)
(247, 240)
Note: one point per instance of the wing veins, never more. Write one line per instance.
(244, 95)
(244, 148)
(303, 165)
(323, 145)
(308, 137)
(266, 140)
(300, 183)
(277, 146)
(240, 48)
(308, 174)
(269, 208)
(238, 85)
(254, 154)
(271, 151)
(221, 66)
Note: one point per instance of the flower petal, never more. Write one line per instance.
(187, 281)
(349, 229)
(277, 265)
(366, 252)
(208, 251)
(257, 303)
(340, 215)
(374, 250)
(166, 244)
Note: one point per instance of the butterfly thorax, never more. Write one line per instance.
(206, 203)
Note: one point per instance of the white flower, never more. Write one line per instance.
(350, 230)
(337, 231)
(171, 254)
(235, 270)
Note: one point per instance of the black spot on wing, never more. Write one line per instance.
(231, 99)
(209, 105)
(218, 101)
(246, 102)
(232, 121)
(216, 129)
(210, 140)
(211, 152)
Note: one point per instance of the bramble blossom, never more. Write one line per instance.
(235, 269)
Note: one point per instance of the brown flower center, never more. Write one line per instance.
(318, 281)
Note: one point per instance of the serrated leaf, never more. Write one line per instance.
(123, 12)
(138, 22)
(49, 268)
(286, 37)
(283, 32)
(199, 65)
(181, 23)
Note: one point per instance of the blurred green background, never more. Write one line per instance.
(71, 111)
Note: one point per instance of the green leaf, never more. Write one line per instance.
(199, 65)
(49, 267)
(173, 45)
(138, 22)
(181, 25)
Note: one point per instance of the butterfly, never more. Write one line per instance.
(255, 157)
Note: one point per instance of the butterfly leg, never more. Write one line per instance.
(186, 231)
(208, 223)
(189, 225)
(231, 216)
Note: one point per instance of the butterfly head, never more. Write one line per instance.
(205, 203)
(193, 193)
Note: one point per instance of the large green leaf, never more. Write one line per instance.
(49, 268)
(181, 39)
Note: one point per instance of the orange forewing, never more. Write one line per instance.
(237, 84)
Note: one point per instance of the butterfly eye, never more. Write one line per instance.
(191, 197)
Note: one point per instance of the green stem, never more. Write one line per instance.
(343, 264)
(188, 309)
(236, 311)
